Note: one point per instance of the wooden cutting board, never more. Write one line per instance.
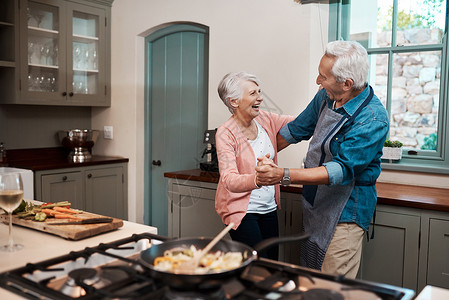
(71, 232)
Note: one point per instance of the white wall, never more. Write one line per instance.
(278, 40)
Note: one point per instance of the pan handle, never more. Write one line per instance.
(278, 240)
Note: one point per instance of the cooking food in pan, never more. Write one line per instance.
(217, 261)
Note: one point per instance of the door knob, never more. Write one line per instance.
(156, 163)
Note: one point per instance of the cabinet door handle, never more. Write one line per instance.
(64, 94)
(157, 163)
(89, 175)
(64, 178)
(71, 94)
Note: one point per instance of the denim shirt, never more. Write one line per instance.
(356, 150)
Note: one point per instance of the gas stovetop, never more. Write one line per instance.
(114, 271)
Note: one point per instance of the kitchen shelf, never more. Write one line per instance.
(84, 38)
(43, 66)
(42, 32)
(7, 64)
(6, 24)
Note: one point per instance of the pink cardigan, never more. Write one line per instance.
(237, 164)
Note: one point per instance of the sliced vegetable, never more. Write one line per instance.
(40, 216)
(56, 204)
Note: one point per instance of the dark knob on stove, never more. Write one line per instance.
(157, 163)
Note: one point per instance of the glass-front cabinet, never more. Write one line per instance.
(9, 30)
(64, 52)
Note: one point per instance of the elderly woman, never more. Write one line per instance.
(250, 133)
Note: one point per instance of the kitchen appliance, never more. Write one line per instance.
(210, 152)
(27, 179)
(80, 142)
(115, 271)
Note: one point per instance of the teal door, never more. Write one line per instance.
(176, 111)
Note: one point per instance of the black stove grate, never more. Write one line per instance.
(126, 278)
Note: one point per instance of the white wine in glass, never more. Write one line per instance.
(11, 194)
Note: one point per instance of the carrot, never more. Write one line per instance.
(49, 212)
(65, 210)
(65, 216)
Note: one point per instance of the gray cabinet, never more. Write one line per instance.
(392, 256)
(66, 186)
(290, 222)
(192, 209)
(9, 51)
(438, 256)
(99, 189)
(105, 191)
(62, 53)
(410, 248)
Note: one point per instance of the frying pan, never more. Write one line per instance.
(189, 281)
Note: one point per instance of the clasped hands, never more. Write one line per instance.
(267, 172)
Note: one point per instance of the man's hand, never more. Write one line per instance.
(268, 173)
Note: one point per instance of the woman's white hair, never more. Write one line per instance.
(230, 87)
(352, 62)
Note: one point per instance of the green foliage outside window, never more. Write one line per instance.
(407, 20)
(430, 142)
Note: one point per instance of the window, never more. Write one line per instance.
(407, 47)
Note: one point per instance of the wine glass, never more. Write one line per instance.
(11, 194)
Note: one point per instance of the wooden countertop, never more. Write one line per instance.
(387, 193)
(53, 158)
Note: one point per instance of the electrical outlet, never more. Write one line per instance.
(108, 132)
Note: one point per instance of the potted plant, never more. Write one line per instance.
(392, 150)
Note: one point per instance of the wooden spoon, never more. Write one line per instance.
(188, 267)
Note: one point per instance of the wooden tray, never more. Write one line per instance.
(71, 232)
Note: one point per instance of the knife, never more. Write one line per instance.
(85, 221)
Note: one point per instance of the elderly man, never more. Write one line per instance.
(348, 126)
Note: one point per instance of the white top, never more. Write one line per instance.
(262, 200)
(39, 246)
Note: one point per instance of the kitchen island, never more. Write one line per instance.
(40, 246)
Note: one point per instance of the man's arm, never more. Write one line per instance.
(270, 175)
(281, 142)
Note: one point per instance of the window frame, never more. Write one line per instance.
(425, 161)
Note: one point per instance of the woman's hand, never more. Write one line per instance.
(265, 160)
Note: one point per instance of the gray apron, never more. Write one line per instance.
(323, 204)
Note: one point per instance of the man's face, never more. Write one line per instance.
(327, 81)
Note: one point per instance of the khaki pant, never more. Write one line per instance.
(344, 251)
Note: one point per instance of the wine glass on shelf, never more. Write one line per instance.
(11, 194)
(77, 56)
(30, 51)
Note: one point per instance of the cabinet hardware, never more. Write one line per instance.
(89, 175)
(157, 163)
(71, 94)
(64, 178)
(64, 94)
